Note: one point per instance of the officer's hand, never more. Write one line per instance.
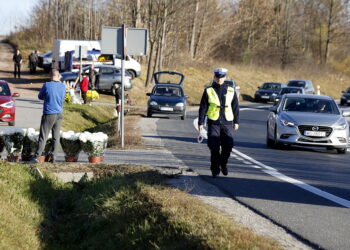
(200, 128)
(235, 126)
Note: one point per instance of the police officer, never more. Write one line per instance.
(220, 104)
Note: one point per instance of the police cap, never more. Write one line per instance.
(220, 72)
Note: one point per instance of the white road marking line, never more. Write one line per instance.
(273, 172)
(239, 158)
(247, 162)
(255, 166)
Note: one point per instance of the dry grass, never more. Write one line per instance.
(247, 77)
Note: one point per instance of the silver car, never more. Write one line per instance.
(309, 120)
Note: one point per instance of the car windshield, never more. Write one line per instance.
(269, 85)
(167, 91)
(296, 84)
(4, 90)
(290, 90)
(310, 105)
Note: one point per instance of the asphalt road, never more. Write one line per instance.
(305, 190)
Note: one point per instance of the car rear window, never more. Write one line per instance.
(290, 90)
(312, 105)
(297, 84)
(4, 90)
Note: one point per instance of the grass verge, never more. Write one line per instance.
(125, 207)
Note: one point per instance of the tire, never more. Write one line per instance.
(269, 142)
(276, 144)
(149, 113)
(132, 73)
(342, 150)
(12, 123)
(342, 103)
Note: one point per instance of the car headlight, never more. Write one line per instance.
(179, 104)
(153, 103)
(342, 126)
(9, 104)
(287, 123)
(274, 94)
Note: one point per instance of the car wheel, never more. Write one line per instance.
(183, 117)
(342, 150)
(342, 103)
(132, 73)
(256, 99)
(149, 113)
(12, 123)
(269, 142)
(276, 144)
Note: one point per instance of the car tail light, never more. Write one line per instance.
(76, 66)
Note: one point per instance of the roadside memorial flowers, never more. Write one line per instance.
(71, 145)
(30, 144)
(13, 138)
(94, 144)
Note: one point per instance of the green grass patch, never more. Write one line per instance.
(124, 207)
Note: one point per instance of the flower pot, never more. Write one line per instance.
(13, 158)
(96, 159)
(71, 158)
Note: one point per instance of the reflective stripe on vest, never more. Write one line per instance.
(213, 112)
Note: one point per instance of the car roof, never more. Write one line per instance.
(293, 87)
(323, 97)
(3, 82)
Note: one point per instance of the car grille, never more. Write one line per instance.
(302, 128)
(314, 141)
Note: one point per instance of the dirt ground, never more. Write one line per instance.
(28, 85)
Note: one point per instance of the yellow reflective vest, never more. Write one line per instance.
(213, 112)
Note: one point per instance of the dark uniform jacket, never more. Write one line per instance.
(221, 91)
(17, 58)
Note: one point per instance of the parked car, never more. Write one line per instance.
(309, 120)
(306, 84)
(167, 96)
(45, 61)
(268, 91)
(288, 90)
(7, 104)
(345, 98)
(107, 76)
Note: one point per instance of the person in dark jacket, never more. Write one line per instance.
(92, 77)
(17, 60)
(53, 94)
(220, 104)
(33, 61)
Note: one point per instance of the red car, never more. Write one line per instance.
(7, 104)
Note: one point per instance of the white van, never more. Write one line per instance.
(62, 46)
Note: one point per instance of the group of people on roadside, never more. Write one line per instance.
(17, 60)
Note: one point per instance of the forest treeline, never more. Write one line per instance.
(268, 32)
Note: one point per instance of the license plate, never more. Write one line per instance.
(315, 133)
(265, 97)
(166, 109)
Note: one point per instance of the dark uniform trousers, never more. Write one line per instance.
(219, 135)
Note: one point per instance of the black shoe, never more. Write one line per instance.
(224, 170)
(215, 173)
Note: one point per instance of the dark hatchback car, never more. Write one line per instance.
(268, 91)
(167, 96)
(345, 98)
(288, 90)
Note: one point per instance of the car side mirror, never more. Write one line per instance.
(148, 94)
(15, 95)
(346, 113)
(273, 109)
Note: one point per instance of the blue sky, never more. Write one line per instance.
(14, 12)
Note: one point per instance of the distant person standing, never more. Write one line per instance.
(53, 94)
(92, 76)
(17, 59)
(118, 96)
(33, 61)
(84, 87)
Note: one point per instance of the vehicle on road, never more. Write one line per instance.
(7, 104)
(268, 91)
(167, 96)
(309, 120)
(288, 90)
(345, 98)
(45, 61)
(107, 76)
(306, 84)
